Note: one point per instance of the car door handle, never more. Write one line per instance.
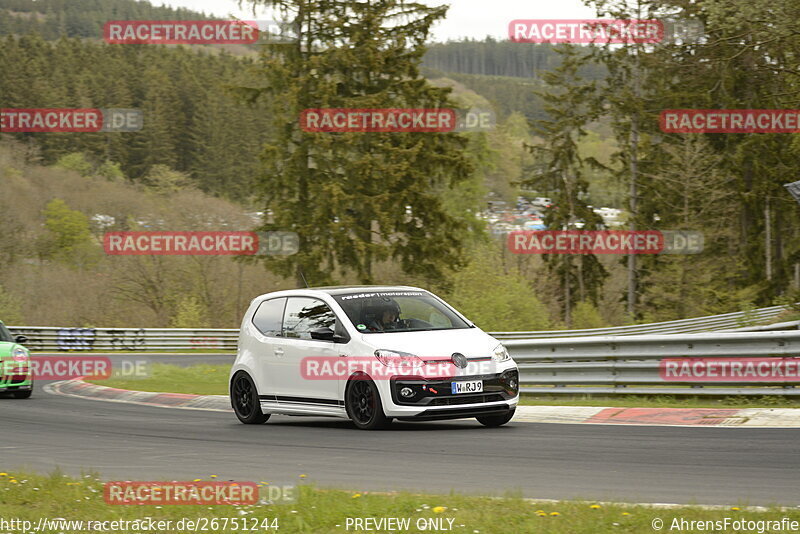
(278, 352)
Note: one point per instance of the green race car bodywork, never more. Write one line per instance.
(15, 366)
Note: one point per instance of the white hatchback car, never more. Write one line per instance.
(371, 354)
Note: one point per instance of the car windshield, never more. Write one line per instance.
(5, 335)
(398, 311)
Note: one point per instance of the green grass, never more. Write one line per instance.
(213, 380)
(196, 379)
(31, 496)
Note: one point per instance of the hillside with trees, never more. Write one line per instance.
(580, 125)
(192, 124)
(53, 19)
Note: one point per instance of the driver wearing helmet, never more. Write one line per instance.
(384, 315)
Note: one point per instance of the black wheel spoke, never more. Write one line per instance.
(244, 400)
(361, 401)
(243, 396)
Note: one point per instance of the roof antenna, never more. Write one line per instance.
(303, 276)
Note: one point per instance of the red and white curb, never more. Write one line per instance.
(78, 388)
(723, 417)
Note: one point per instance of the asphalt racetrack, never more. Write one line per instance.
(549, 461)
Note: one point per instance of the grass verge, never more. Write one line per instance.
(199, 379)
(29, 497)
(213, 380)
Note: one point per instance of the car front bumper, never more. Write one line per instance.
(15, 376)
(433, 398)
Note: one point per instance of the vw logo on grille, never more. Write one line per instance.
(459, 360)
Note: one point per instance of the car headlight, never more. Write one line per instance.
(500, 354)
(19, 354)
(396, 358)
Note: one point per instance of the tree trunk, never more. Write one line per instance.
(768, 241)
(634, 170)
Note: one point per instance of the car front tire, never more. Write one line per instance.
(22, 394)
(496, 420)
(244, 400)
(363, 404)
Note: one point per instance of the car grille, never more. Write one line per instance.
(472, 399)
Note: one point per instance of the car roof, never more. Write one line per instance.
(333, 290)
(339, 290)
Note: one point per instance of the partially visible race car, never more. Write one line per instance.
(16, 375)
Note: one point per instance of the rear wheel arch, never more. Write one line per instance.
(245, 400)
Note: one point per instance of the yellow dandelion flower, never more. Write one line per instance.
(595, 506)
(735, 508)
(356, 495)
(3, 474)
(626, 513)
(303, 476)
(439, 509)
(554, 513)
(197, 480)
(213, 476)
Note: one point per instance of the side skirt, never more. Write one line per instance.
(302, 406)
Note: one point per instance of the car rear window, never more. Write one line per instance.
(269, 316)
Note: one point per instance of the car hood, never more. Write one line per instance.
(471, 342)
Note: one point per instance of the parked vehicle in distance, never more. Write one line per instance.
(16, 375)
(535, 224)
(371, 354)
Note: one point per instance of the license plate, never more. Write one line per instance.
(472, 386)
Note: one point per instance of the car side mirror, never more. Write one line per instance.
(323, 334)
(21, 339)
(338, 338)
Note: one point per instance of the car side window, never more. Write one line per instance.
(304, 314)
(268, 317)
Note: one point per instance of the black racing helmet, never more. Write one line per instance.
(376, 307)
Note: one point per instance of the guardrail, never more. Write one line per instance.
(588, 364)
(736, 321)
(48, 338)
(636, 364)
